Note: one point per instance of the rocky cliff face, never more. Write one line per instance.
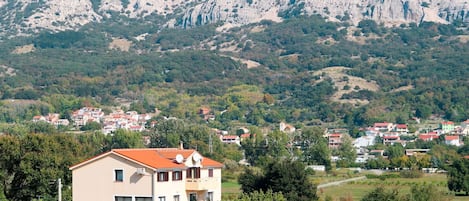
(389, 12)
(20, 16)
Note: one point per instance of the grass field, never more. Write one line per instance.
(357, 190)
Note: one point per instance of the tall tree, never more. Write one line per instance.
(315, 148)
(458, 176)
(31, 162)
(347, 152)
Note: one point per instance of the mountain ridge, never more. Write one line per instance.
(29, 16)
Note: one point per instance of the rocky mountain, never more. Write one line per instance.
(26, 16)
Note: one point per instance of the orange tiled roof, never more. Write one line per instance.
(157, 158)
(451, 137)
(149, 157)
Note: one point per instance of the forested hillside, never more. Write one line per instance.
(415, 70)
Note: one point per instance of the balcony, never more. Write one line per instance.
(202, 184)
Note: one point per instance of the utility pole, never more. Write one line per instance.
(59, 188)
(210, 143)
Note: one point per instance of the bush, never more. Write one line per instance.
(411, 174)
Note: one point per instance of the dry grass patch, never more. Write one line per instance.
(24, 49)
(340, 79)
(120, 44)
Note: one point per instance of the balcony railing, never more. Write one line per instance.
(202, 183)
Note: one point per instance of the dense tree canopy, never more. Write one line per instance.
(286, 177)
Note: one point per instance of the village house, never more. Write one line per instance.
(287, 128)
(464, 128)
(411, 152)
(85, 115)
(452, 140)
(51, 118)
(230, 139)
(157, 174)
(401, 129)
(428, 136)
(334, 140)
(391, 139)
(384, 126)
(447, 127)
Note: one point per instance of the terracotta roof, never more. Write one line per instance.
(246, 135)
(391, 137)
(156, 158)
(427, 137)
(466, 157)
(335, 135)
(447, 122)
(229, 137)
(401, 126)
(383, 124)
(451, 137)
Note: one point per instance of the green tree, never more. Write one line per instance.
(347, 152)
(28, 164)
(91, 126)
(124, 139)
(287, 177)
(427, 192)
(458, 176)
(382, 194)
(315, 148)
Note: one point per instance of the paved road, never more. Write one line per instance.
(335, 183)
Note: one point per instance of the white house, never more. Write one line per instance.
(452, 140)
(147, 175)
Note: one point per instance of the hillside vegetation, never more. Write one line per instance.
(405, 71)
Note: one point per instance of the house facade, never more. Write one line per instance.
(166, 174)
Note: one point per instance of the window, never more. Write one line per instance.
(122, 198)
(162, 176)
(143, 199)
(210, 196)
(177, 175)
(210, 172)
(176, 198)
(162, 198)
(118, 175)
(193, 173)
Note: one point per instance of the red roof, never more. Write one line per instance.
(447, 122)
(156, 158)
(451, 137)
(335, 135)
(229, 137)
(246, 135)
(426, 137)
(466, 157)
(401, 126)
(391, 137)
(383, 124)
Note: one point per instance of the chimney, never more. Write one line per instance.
(181, 145)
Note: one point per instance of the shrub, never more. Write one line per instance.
(411, 174)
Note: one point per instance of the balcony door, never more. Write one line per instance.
(192, 196)
(193, 173)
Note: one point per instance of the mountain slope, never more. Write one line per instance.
(25, 16)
